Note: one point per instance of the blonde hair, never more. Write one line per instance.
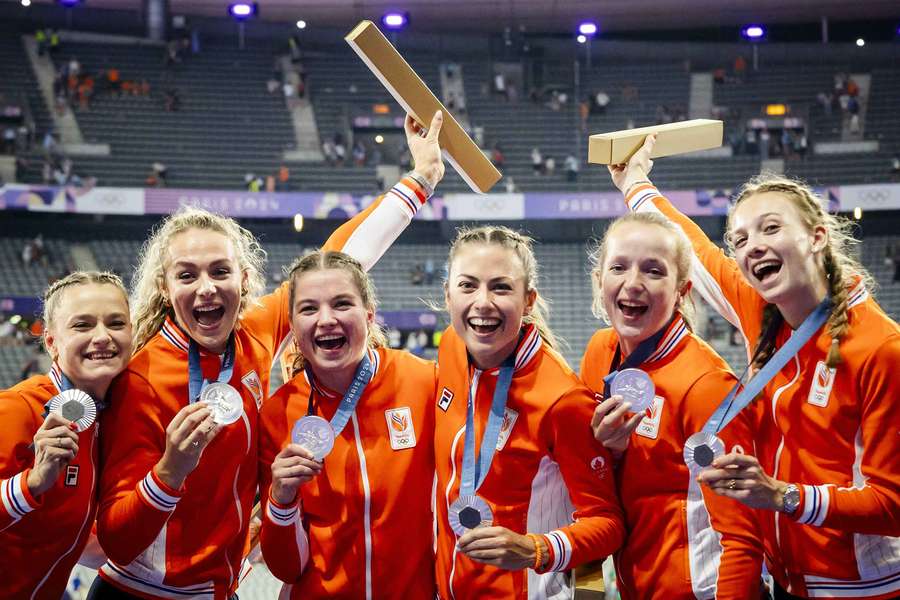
(321, 260)
(683, 255)
(54, 293)
(149, 304)
(521, 246)
(839, 267)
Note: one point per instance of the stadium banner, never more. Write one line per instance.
(407, 319)
(453, 207)
(21, 305)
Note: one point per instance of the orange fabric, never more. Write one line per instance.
(163, 540)
(834, 433)
(41, 538)
(548, 467)
(365, 478)
(671, 549)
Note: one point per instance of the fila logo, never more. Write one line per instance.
(71, 475)
(445, 399)
(823, 381)
(400, 428)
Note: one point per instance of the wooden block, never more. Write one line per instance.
(672, 138)
(414, 96)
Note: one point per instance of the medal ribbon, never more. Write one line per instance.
(361, 379)
(635, 359)
(63, 383)
(196, 382)
(474, 473)
(734, 403)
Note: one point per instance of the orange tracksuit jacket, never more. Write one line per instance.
(833, 432)
(548, 471)
(363, 528)
(684, 541)
(162, 542)
(41, 538)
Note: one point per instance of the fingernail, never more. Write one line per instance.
(73, 427)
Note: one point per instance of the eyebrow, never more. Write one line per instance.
(301, 300)
(503, 278)
(186, 263)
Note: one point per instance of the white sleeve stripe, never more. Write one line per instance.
(374, 236)
(282, 516)
(14, 500)
(155, 495)
(815, 505)
(564, 550)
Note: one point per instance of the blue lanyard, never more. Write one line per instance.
(348, 404)
(734, 403)
(473, 474)
(65, 384)
(635, 359)
(196, 382)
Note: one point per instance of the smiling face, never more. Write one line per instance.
(330, 323)
(777, 252)
(639, 280)
(89, 335)
(203, 283)
(487, 299)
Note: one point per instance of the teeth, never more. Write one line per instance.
(100, 355)
(481, 322)
(206, 308)
(769, 263)
(328, 338)
(631, 304)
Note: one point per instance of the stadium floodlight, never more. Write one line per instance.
(753, 32)
(395, 20)
(581, 38)
(69, 3)
(26, 3)
(587, 28)
(860, 42)
(241, 11)
(301, 24)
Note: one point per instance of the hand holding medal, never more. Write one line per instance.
(294, 466)
(55, 444)
(187, 436)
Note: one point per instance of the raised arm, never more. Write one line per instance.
(369, 234)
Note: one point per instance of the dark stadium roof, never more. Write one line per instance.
(544, 15)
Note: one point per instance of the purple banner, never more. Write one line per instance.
(20, 305)
(407, 319)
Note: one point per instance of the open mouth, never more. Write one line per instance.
(209, 316)
(330, 342)
(632, 309)
(484, 325)
(104, 355)
(766, 270)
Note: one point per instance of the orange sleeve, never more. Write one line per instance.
(741, 539)
(872, 504)
(369, 234)
(270, 320)
(591, 371)
(714, 275)
(586, 468)
(134, 503)
(283, 539)
(19, 427)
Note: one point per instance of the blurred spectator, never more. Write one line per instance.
(157, 176)
(32, 364)
(417, 274)
(113, 80)
(172, 100)
(284, 177)
(328, 151)
(719, 75)
(601, 101)
(740, 68)
(852, 88)
(537, 161)
(764, 139)
(74, 67)
(429, 271)
(510, 185)
(571, 167)
(40, 37)
(359, 153)
(497, 156)
(254, 182)
(895, 166)
(54, 42)
(340, 151)
(893, 258)
(629, 93)
(9, 140)
(584, 111)
(549, 166)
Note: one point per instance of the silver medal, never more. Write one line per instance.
(469, 512)
(75, 406)
(635, 387)
(224, 401)
(315, 434)
(701, 449)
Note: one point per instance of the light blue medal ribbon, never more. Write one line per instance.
(196, 382)
(345, 409)
(734, 403)
(474, 473)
